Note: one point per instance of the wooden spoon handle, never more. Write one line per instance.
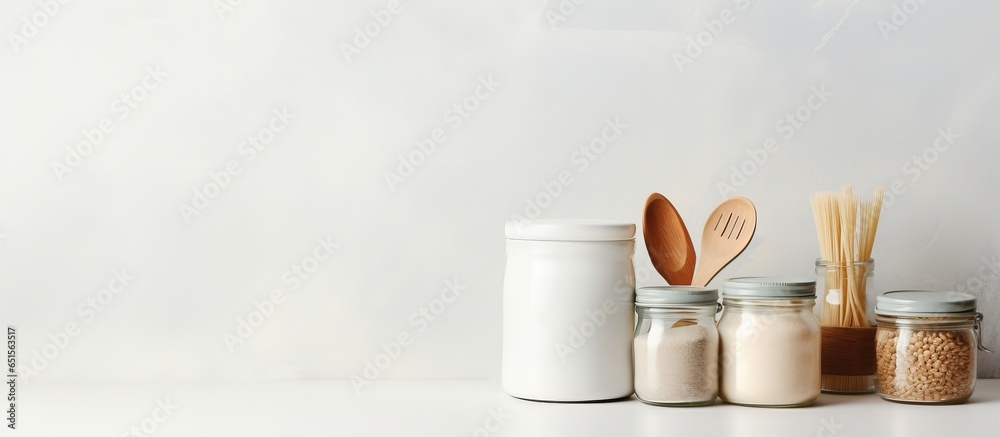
(701, 276)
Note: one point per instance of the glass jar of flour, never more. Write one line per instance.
(568, 297)
(676, 345)
(769, 342)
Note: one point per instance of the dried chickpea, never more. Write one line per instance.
(925, 365)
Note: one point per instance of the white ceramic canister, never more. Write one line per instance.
(568, 303)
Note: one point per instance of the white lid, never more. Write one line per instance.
(770, 287)
(654, 296)
(924, 301)
(570, 230)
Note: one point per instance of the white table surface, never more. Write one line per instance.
(460, 408)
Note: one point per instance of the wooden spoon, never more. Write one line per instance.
(684, 322)
(667, 241)
(728, 231)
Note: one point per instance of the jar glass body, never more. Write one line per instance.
(568, 319)
(769, 352)
(676, 352)
(926, 359)
(836, 282)
(846, 311)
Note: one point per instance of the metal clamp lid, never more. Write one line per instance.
(924, 301)
(977, 329)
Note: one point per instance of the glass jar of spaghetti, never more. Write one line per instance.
(845, 309)
(926, 346)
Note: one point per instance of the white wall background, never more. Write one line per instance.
(324, 176)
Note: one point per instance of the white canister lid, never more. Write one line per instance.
(769, 287)
(666, 295)
(569, 230)
(924, 301)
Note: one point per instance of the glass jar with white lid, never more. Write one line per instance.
(676, 345)
(769, 342)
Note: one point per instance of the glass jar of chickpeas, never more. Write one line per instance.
(926, 345)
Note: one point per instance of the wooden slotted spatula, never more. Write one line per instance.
(727, 233)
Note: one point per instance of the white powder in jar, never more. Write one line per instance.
(677, 365)
(769, 358)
